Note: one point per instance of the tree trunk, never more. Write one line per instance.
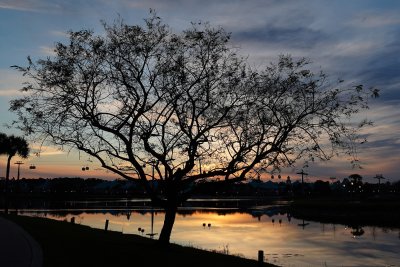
(170, 212)
(8, 167)
(6, 184)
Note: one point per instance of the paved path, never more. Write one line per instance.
(17, 247)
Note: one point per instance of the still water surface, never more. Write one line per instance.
(286, 241)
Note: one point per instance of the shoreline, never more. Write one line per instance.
(67, 244)
(371, 212)
(347, 211)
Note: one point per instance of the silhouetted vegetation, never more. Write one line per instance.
(79, 188)
(11, 146)
(338, 202)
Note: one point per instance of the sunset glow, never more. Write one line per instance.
(350, 40)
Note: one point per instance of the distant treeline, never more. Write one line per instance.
(73, 186)
(124, 188)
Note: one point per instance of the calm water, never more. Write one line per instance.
(286, 241)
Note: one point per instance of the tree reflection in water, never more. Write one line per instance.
(357, 231)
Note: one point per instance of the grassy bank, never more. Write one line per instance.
(66, 244)
(371, 212)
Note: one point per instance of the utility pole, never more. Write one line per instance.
(19, 165)
(153, 166)
(302, 180)
(200, 166)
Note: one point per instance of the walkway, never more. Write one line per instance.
(17, 247)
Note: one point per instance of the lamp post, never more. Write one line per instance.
(19, 165)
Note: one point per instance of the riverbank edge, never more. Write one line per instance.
(67, 244)
(352, 212)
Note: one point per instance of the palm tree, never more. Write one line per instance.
(11, 146)
(3, 138)
(15, 145)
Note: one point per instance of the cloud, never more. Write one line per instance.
(9, 92)
(46, 150)
(356, 42)
(355, 48)
(383, 135)
(373, 20)
(380, 154)
(155, 4)
(28, 5)
(11, 81)
(49, 51)
(59, 33)
(381, 69)
(295, 37)
(17, 5)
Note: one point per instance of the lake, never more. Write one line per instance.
(226, 227)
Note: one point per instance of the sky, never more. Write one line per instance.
(358, 41)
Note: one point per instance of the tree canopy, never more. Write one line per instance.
(149, 103)
(3, 138)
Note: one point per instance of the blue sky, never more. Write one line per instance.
(358, 41)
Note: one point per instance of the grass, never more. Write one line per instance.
(67, 244)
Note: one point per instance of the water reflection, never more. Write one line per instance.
(304, 224)
(286, 241)
(358, 231)
(152, 234)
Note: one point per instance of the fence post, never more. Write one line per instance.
(260, 258)
(106, 226)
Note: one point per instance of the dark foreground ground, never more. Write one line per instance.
(67, 244)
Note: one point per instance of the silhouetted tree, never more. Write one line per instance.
(142, 98)
(357, 230)
(3, 138)
(13, 145)
(355, 178)
(356, 183)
